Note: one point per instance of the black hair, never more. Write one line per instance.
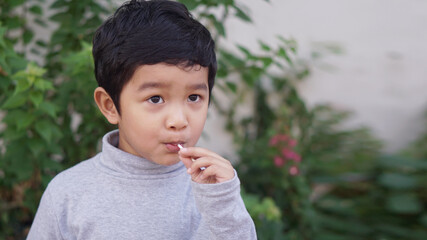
(149, 32)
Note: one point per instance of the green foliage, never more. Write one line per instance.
(418, 149)
(387, 202)
(30, 138)
(266, 215)
(304, 175)
(15, 15)
(41, 132)
(77, 21)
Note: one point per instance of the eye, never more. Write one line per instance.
(156, 100)
(194, 98)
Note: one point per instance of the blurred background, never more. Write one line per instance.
(320, 105)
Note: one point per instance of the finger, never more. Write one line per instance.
(197, 152)
(215, 174)
(206, 162)
(188, 161)
(196, 176)
(208, 172)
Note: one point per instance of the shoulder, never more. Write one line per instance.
(73, 178)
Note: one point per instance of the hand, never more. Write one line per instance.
(216, 168)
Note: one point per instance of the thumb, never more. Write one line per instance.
(187, 160)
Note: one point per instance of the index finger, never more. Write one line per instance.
(197, 152)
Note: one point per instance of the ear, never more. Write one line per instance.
(106, 105)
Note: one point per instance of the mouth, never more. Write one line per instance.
(173, 146)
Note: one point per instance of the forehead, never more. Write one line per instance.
(166, 74)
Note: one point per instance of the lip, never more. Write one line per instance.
(173, 146)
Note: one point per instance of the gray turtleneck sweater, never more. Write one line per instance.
(116, 195)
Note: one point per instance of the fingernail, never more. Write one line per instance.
(189, 170)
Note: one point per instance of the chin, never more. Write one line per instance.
(169, 163)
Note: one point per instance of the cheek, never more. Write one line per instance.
(143, 124)
(198, 124)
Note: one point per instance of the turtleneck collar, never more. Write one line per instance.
(123, 164)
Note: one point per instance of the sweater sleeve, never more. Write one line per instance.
(223, 210)
(45, 224)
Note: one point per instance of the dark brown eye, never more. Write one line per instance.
(193, 98)
(155, 99)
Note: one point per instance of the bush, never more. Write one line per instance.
(303, 175)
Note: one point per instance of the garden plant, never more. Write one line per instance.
(303, 174)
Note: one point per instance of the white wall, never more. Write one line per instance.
(381, 77)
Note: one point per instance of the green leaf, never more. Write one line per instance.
(27, 36)
(52, 165)
(231, 59)
(397, 181)
(398, 162)
(22, 84)
(353, 227)
(43, 84)
(34, 70)
(17, 63)
(14, 22)
(97, 8)
(2, 32)
(15, 3)
(43, 128)
(46, 180)
(36, 147)
(190, 4)
(289, 43)
(36, 10)
(24, 120)
(41, 43)
(40, 22)
(49, 108)
(245, 51)
(61, 17)
(423, 219)
(282, 53)
(15, 101)
(266, 61)
(59, 4)
(404, 203)
(222, 72)
(232, 86)
(36, 97)
(242, 15)
(219, 27)
(264, 46)
(23, 171)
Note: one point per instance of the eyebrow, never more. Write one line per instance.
(149, 85)
(198, 86)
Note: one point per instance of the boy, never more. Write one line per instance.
(155, 66)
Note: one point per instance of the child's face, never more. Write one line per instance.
(161, 106)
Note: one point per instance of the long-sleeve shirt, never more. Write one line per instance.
(117, 195)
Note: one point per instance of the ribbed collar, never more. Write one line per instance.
(123, 164)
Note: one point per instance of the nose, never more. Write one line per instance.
(177, 119)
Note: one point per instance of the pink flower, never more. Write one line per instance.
(277, 138)
(278, 161)
(292, 142)
(293, 170)
(289, 154)
(297, 158)
(283, 137)
(274, 140)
